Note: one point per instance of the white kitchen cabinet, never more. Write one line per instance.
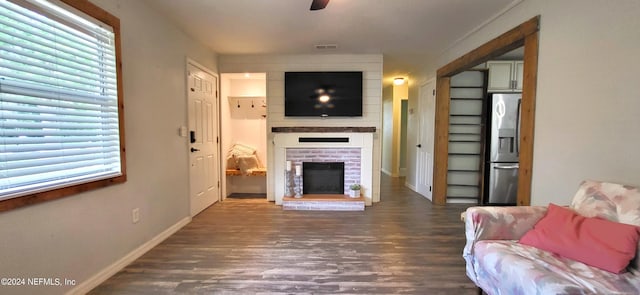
(505, 76)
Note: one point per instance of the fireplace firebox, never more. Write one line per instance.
(323, 178)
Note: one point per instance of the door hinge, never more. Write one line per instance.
(434, 92)
(429, 188)
(218, 183)
(217, 139)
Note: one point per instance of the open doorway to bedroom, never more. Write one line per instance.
(243, 124)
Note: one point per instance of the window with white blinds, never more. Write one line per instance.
(59, 123)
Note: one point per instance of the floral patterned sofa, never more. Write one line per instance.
(499, 264)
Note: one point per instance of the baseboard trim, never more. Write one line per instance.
(411, 187)
(463, 201)
(121, 263)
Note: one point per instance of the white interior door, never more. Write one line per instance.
(425, 140)
(203, 137)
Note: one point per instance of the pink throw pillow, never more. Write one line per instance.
(597, 242)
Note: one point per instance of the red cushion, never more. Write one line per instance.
(597, 242)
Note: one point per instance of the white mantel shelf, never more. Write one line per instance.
(301, 129)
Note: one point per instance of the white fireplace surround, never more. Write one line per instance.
(363, 141)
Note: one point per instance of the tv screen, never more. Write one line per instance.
(323, 94)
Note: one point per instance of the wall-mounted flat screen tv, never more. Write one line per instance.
(323, 94)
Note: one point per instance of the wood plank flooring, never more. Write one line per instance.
(402, 245)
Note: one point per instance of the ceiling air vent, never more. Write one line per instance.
(326, 46)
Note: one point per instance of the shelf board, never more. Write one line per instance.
(464, 197)
(466, 98)
(463, 185)
(468, 87)
(301, 129)
(465, 124)
(464, 155)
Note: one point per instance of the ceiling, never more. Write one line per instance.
(410, 34)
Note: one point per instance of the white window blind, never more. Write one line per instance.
(58, 98)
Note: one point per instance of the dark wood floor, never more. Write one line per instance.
(403, 244)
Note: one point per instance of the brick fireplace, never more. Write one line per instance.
(314, 144)
(349, 156)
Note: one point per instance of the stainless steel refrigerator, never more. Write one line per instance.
(503, 149)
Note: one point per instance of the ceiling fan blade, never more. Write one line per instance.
(319, 4)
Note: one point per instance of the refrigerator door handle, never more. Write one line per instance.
(518, 127)
(509, 167)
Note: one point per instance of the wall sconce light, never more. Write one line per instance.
(398, 81)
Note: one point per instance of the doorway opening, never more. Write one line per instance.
(394, 128)
(525, 35)
(244, 134)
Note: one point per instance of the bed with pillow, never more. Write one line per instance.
(589, 247)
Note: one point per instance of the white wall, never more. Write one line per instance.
(246, 123)
(404, 112)
(588, 101)
(400, 94)
(387, 135)
(78, 236)
(276, 65)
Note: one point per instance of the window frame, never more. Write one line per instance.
(105, 17)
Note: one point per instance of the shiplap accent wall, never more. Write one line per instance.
(276, 65)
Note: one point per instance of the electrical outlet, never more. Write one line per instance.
(135, 215)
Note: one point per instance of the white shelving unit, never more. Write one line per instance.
(466, 131)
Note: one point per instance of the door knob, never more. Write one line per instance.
(419, 145)
(193, 150)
